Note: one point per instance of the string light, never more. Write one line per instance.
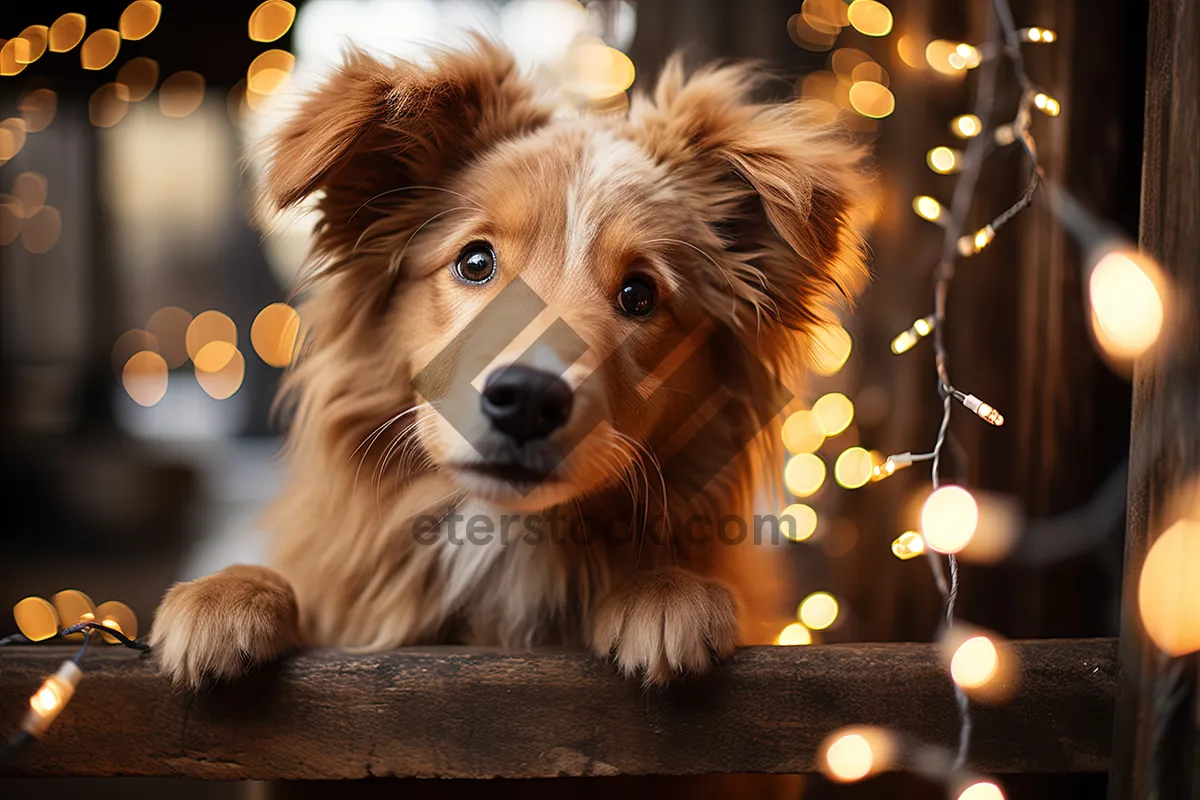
(985, 411)
(804, 474)
(981, 790)
(909, 544)
(966, 126)
(944, 160)
(139, 19)
(49, 700)
(803, 432)
(1005, 135)
(927, 208)
(968, 245)
(1046, 104)
(948, 519)
(1127, 309)
(804, 522)
(896, 462)
(971, 57)
(794, 634)
(853, 468)
(975, 662)
(1168, 592)
(909, 338)
(851, 754)
(818, 611)
(1043, 35)
(835, 411)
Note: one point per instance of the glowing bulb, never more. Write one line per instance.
(804, 522)
(36, 618)
(271, 20)
(870, 18)
(48, 701)
(908, 545)
(1168, 592)
(983, 237)
(983, 790)
(975, 662)
(849, 758)
(949, 518)
(119, 617)
(853, 468)
(1043, 35)
(927, 208)
(966, 126)
(804, 474)
(970, 56)
(1127, 310)
(818, 611)
(803, 432)
(794, 634)
(944, 160)
(909, 338)
(139, 19)
(1046, 104)
(1005, 135)
(871, 99)
(943, 57)
(835, 411)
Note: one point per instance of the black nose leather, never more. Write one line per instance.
(526, 403)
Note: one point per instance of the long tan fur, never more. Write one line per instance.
(745, 216)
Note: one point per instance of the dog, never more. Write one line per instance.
(516, 314)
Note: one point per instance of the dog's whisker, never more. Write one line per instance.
(385, 193)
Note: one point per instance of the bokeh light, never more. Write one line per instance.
(845, 59)
(270, 71)
(794, 634)
(38, 38)
(223, 383)
(803, 522)
(981, 790)
(944, 160)
(145, 377)
(1169, 589)
(130, 342)
(803, 432)
(108, 105)
(271, 20)
(14, 55)
(870, 18)
(598, 71)
(966, 126)
(66, 32)
(943, 57)
(927, 208)
(100, 49)
(831, 345)
(11, 222)
(36, 618)
(871, 99)
(38, 109)
(40, 232)
(870, 71)
(12, 138)
(274, 334)
(975, 662)
(804, 474)
(853, 468)
(139, 77)
(169, 327)
(115, 615)
(209, 326)
(30, 190)
(73, 606)
(835, 411)
(181, 94)
(808, 37)
(909, 544)
(910, 51)
(139, 19)
(949, 518)
(818, 611)
(1127, 309)
(827, 16)
(851, 754)
(213, 356)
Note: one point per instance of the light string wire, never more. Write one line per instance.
(1003, 41)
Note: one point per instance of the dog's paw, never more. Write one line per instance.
(665, 623)
(219, 626)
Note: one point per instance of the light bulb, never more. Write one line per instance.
(794, 634)
(944, 160)
(909, 338)
(975, 662)
(949, 518)
(982, 409)
(982, 790)
(1127, 310)
(1046, 104)
(971, 57)
(908, 545)
(966, 126)
(48, 701)
(1168, 592)
(927, 208)
(818, 611)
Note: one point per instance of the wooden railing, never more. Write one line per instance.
(452, 712)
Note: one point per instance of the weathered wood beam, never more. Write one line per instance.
(451, 712)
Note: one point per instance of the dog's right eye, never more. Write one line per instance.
(476, 263)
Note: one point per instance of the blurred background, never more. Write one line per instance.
(145, 321)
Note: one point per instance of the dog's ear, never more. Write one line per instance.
(375, 126)
(782, 190)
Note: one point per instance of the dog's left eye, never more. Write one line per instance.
(637, 297)
(476, 263)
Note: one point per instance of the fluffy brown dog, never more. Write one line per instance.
(545, 361)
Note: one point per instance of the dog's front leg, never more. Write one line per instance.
(219, 626)
(665, 623)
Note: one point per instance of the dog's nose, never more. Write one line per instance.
(526, 403)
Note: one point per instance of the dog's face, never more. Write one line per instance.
(548, 302)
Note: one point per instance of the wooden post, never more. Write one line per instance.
(1156, 743)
